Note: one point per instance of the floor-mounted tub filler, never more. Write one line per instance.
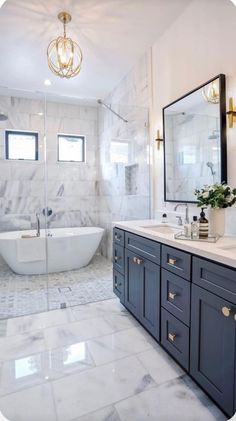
(64, 249)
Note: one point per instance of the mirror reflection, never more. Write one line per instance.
(195, 141)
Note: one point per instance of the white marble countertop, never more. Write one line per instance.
(223, 251)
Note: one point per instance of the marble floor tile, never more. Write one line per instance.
(56, 337)
(16, 346)
(34, 404)
(106, 414)
(158, 363)
(39, 321)
(30, 370)
(99, 387)
(176, 400)
(98, 309)
(119, 345)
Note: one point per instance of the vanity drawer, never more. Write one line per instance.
(119, 258)
(149, 249)
(175, 296)
(176, 261)
(119, 236)
(119, 285)
(175, 338)
(215, 278)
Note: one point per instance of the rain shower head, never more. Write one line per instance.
(214, 135)
(100, 102)
(3, 116)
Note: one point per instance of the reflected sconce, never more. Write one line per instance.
(231, 113)
(159, 140)
(211, 93)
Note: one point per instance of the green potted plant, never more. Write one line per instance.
(217, 197)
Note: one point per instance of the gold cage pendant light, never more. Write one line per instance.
(64, 55)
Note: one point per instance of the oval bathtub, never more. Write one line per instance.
(64, 249)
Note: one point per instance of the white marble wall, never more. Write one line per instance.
(124, 188)
(191, 142)
(69, 188)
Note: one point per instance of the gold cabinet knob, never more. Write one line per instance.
(139, 261)
(171, 337)
(235, 317)
(172, 295)
(135, 259)
(226, 311)
(172, 261)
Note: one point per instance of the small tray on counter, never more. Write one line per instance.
(210, 239)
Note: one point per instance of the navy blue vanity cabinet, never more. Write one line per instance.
(119, 285)
(142, 291)
(118, 264)
(213, 341)
(133, 279)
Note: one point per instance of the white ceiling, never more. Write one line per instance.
(112, 34)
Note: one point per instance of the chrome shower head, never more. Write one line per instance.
(3, 116)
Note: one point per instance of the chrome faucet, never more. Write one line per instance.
(38, 225)
(186, 221)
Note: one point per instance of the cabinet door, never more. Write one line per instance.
(213, 346)
(133, 277)
(150, 298)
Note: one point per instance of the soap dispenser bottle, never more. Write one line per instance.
(203, 225)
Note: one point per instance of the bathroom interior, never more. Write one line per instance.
(106, 143)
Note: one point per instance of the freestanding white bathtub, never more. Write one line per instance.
(64, 249)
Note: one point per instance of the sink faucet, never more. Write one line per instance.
(186, 221)
(38, 225)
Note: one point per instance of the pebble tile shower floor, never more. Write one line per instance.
(24, 294)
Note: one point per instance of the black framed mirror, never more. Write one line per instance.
(194, 131)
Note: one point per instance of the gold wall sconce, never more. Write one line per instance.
(231, 113)
(158, 139)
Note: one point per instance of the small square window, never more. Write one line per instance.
(21, 145)
(71, 148)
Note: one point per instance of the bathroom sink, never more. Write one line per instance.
(231, 248)
(162, 228)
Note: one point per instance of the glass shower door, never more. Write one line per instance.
(23, 266)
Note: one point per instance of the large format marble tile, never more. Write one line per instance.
(158, 363)
(76, 332)
(98, 309)
(106, 414)
(39, 321)
(119, 345)
(34, 404)
(12, 347)
(177, 400)
(30, 370)
(80, 394)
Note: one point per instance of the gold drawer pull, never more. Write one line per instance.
(172, 295)
(137, 260)
(226, 311)
(172, 261)
(171, 337)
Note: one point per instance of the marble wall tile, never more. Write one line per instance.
(24, 184)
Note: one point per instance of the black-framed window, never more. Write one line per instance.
(71, 148)
(20, 145)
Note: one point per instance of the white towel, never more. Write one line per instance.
(31, 249)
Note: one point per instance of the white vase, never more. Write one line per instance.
(217, 222)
